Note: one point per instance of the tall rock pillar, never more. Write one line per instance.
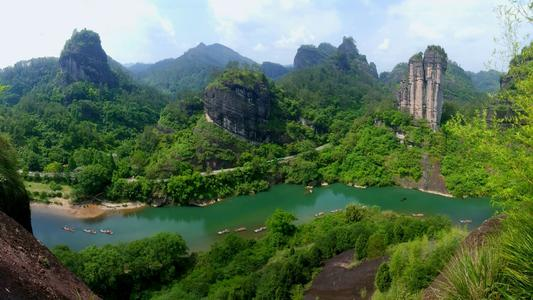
(421, 95)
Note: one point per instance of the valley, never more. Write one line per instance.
(300, 165)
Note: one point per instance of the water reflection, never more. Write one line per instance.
(198, 226)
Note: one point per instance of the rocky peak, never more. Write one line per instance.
(348, 48)
(240, 101)
(421, 94)
(83, 59)
(309, 55)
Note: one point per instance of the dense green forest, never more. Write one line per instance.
(281, 264)
(140, 134)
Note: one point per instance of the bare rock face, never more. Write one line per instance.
(241, 104)
(28, 270)
(421, 94)
(83, 59)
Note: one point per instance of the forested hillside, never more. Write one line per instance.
(190, 72)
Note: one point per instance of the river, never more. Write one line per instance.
(199, 225)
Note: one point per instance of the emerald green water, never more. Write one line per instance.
(199, 225)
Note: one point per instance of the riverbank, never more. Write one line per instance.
(85, 211)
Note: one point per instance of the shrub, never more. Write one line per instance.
(376, 245)
(383, 277)
(471, 275)
(55, 186)
(354, 213)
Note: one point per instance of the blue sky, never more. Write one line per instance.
(387, 32)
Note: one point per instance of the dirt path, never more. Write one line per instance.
(338, 281)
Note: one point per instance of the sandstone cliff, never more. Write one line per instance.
(240, 101)
(28, 270)
(83, 59)
(421, 94)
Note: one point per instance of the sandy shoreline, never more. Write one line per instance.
(85, 211)
(436, 193)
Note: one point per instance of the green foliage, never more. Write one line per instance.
(495, 156)
(14, 199)
(191, 72)
(383, 278)
(120, 270)
(92, 180)
(414, 265)
(516, 244)
(376, 245)
(354, 213)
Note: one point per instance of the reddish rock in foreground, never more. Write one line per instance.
(28, 270)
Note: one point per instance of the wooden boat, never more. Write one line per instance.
(68, 228)
(319, 214)
(223, 231)
(418, 215)
(466, 221)
(106, 231)
(91, 231)
(257, 230)
(324, 184)
(240, 229)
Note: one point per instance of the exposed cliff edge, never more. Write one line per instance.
(421, 94)
(432, 180)
(241, 102)
(28, 270)
(83, 59)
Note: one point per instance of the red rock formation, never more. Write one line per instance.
(421, 95)
(28, 270)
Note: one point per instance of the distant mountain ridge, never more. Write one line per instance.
(191, 71)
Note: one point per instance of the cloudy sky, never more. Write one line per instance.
(265, 30)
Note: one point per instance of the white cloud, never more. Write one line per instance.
(280, 25)
(385, 44)
(259, 47)
(462, 27)
(40, 28)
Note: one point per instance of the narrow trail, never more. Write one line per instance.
(282, 160)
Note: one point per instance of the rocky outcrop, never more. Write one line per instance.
(273, 70)
(28, 270)
(240, 102)
(431, 181)
(83, 59)
(421, 94)
(309, 55)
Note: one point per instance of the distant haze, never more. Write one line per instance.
(387, 32)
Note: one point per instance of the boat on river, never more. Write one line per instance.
(240, 229)
(257, 230)
(417, 215)
(91, 231)
(223, 231)
(68, 228)
(320, 214)
(466, 221)
(106, 231)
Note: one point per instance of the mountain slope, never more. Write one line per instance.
(190, 72)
